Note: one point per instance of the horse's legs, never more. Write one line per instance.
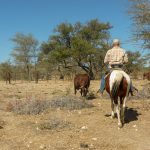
(123, 109)
(112, 109)
(118, 115)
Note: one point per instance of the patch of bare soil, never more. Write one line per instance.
(62, 128)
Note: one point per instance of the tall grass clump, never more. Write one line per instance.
(28, 107)
(34, 106)
(69, 102)
(54, 124)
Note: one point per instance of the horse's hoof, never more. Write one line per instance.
(112, 116)
(120, 125)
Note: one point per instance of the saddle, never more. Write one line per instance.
(111, 70)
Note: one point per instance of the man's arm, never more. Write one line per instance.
(125, 58)
(107, 58)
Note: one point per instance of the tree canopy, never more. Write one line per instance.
(140, 15)
(25, 50)
(71, 48)
(78, 45)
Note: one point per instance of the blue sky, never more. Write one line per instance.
(40, 17)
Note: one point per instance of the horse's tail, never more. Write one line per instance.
(116, 80)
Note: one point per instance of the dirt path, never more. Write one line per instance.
(89, 128)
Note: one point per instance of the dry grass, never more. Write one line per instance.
(64, 125)
(28, 107)
(143, 93)
(35, 106)
(54, 124)
(70, 102)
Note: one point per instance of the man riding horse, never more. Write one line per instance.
(115, 59)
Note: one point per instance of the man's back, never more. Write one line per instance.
(115, 58)
(116, 55)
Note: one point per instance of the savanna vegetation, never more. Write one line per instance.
(48, 115)
(78, 47)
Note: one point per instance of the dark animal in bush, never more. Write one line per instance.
(82, 83)
(146, 76)
(8, 77)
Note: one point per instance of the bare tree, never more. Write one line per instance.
(24, 52)
(140, 15)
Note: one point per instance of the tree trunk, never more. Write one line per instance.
(36, 77)
(28, 73)
(91, 74)
(9, 78)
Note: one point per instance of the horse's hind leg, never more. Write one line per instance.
(112, 109)
(123, 109)
(118, 115)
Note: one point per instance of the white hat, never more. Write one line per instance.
(116, 41)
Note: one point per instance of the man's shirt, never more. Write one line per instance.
(116, 55)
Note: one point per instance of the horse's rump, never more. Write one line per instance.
(115, 80)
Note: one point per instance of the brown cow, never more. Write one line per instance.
(146, 76)
(82, 82)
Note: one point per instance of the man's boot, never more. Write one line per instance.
(132, 89)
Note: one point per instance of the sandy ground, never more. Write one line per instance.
(89, 128)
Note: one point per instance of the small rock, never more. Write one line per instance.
(99, 103)
(84, 145)
(134, 126)
(91, 146)
(37, 128)
(58, 109)
(42, 146)
(28, 145)
(94, 139)
(84, 128)
(79, 112)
